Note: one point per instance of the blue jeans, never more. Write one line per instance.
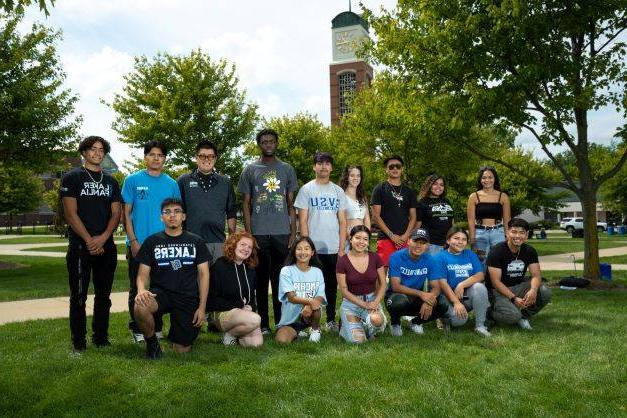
(349, 308)
(486, 239)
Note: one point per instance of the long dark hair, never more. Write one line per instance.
(497, 183)
(354, 230)
(454, 230)
(359, 191)
(425, 190)
(291, 256)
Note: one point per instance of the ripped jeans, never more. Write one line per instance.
(357, 332)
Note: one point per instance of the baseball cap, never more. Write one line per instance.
(421, 234)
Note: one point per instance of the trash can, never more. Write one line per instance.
(621, 229)
(606, 271)
(577, 233)
(611, 230)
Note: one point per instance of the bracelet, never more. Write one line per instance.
(513, 299)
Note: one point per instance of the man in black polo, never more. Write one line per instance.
(91, 206)
(208, 200)
(176, 265)
(516, 297)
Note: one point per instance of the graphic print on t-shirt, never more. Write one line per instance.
(270, 198)
(516, 269)
(442, 211)
(462, 271)
(92, 188)
(306, 289)
(142, 192)
(324, 203)
(175, 255)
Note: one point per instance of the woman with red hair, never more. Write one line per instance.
(232, 299)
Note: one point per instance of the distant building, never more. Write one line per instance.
(571, 209)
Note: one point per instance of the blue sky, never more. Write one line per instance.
(281, 48)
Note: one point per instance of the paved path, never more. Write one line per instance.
(565, 261)
(25, 249)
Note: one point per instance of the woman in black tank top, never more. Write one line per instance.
(488, 210)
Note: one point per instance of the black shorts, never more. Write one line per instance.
(181, 309)
(299, 325)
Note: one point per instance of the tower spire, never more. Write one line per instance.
(349, 6)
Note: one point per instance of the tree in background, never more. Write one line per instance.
(20, 190)
(37, 122)
(181, 100)
(537, 66)
(19, 5)
(300, 136)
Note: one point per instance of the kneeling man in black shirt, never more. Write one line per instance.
(516, 298)
(176, 263)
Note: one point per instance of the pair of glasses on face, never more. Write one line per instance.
(168, 212)
(395, 166)
(155, 155)
(206, 157)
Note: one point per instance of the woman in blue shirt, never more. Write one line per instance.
(462, 288)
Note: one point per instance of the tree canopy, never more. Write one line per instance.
(181, 100)
(536, 65)
(37, 122)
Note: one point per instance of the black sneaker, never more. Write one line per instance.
(101, 343)
(79, 347)
(153, 350)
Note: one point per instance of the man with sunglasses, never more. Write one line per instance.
(208, 199)
(393, 209)
(173, 278)
(143, 192)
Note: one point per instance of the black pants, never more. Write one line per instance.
(272, 253)
(133, 268)
(81, 266)
(399, 304)
(330, 282)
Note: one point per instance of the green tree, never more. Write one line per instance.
(20, 190)
(37, 126)
(19, 5)
(300, 136)
(181, 100)
(530, 65)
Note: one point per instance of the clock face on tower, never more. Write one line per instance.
(346, 41)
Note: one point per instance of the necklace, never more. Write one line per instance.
(240, 285)
(92, 179)
(396, 193)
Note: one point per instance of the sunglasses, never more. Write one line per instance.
(395, 166)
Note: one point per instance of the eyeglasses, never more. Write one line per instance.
(207, 157)
(395, 166)
(155, 155)
(168, 212)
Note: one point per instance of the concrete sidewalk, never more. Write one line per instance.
(565, 261)
(50, 308)
(21, 249)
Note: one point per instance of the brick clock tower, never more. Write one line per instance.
(347, 73)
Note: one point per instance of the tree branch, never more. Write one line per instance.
(602, 178)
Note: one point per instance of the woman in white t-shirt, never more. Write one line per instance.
(356, 202)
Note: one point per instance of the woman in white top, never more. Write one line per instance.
(356, 202)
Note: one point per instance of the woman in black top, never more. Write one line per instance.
(488, 210)
(435, 213)
(232, 298)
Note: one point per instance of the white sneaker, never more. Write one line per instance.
(304, 334)
(483, 331)
(396, 331)
(315, 335)
(417, 329)
(228, 339)
(332, 326)
(138, 337)
(407, 318)
(524, 324)
(159, 335)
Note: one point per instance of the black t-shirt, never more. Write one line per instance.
(395, 202)
(436, 214)
(94, 192)
(174, 261)
(513, 265)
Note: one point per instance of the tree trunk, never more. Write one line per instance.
(591, 268)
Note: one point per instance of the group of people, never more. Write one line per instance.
(303, 243)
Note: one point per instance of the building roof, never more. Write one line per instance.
(348, 19)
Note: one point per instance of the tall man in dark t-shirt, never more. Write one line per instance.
(176, 264)
(393, 209)
(208, 200)
(516, 298)
(267, 187)
(91, 205)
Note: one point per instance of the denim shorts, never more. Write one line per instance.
(486, 239)
(349, 308)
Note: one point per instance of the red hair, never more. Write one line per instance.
(231, 243)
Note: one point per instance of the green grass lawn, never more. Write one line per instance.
(44, 277)
(572, 364)
(121, 249)
(34, 240)
(567, 245)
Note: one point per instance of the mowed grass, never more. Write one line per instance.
(63, 248)
(572, 364)
(45, 277)
(560, 245)
(34, 240)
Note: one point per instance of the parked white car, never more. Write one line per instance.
(570, 224)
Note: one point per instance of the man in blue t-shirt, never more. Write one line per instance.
(414, 286)
(142, 193)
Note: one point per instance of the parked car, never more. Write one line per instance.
(577, 223)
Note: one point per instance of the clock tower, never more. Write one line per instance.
(347, 72)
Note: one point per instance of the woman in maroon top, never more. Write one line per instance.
(361, 278)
